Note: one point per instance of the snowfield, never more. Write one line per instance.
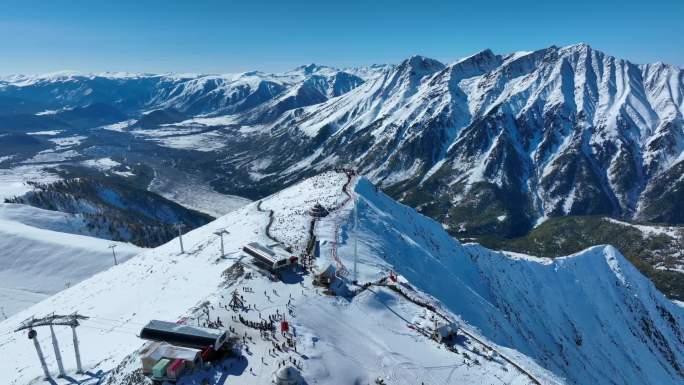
(195, 194)
(589, 318)
(291, 221)
(13, 181)
(44, 252)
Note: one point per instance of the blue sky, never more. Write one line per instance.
(230, 36)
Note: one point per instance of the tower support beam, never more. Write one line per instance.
(79, 368)
(34, 336)
(58, 354)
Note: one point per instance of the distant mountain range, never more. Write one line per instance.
(488, 144)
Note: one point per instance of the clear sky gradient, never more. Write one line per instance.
(232, 36)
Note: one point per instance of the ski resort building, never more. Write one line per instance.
(184, 335)
(324, 276)
(155, 351)
(272, 258)
(444, 331)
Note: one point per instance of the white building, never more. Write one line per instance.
(287, 375)
(444, 331)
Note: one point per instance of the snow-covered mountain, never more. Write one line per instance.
(589, 318)
(192, 94)
(564, 313)
(111, 210)
(490, 143)
(488, 146)
(523, 136)
(59, 232)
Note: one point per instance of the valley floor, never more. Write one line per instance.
(195, 194)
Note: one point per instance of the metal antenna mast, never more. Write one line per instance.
(179, 226)
(113, 246)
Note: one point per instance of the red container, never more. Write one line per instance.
(208, 354)
(176, 368)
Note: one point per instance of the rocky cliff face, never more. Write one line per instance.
(490, 143)
(498, 142)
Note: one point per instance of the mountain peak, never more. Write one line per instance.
(421, 65)
(486, 55)
(579, 47)
(311, 68)
(476, 64)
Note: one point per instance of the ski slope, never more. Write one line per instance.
(44, 252)
(527, 310)
(162, 283)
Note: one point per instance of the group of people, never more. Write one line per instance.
(218, 324)
(261, 325)
(266, 325)
(293, 361)
(283, 347)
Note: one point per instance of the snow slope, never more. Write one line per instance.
(565, 313)
(44, 251)
(532, 312)
(195, 195)
(341, 340)
(43, 219)
(13, 181)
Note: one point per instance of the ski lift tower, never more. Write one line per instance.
(52, 320)
(113, 246)
(179, 226)
(220, 234)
